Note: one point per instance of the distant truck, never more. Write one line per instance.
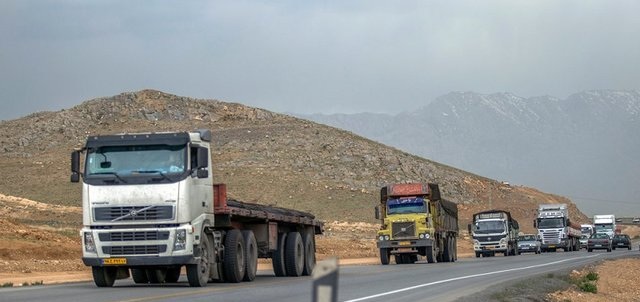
(150, 207)
(556, 229)
(416, 221)
(494, 231)
(587, 230)
(605, 224)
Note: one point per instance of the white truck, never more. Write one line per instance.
(494, 231)
(587, 230)
(555, 228)
(150, 208)
(605, 224)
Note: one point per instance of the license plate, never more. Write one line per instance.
(552, 246)
(620, 243)
(114, 261)
(598, 245)
(405, 243)
(488, 247)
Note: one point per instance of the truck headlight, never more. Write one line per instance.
(421, 236)
(426, 236)
(381, 238)
(89, 243)
(180, 242)
(386, 237)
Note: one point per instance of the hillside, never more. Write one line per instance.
(264, 157)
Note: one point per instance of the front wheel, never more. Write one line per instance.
(104, 276)
(384, 256)
(198, 274)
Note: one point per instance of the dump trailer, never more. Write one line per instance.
(150, 208)
(555, 228)
(494, 231)
(416, 221)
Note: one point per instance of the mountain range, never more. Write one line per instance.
(584, 147)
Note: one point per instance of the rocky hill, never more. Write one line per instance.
(583, 146)
(264, 157)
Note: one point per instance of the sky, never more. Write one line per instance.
(312, 56)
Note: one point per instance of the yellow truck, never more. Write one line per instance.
(416, 221)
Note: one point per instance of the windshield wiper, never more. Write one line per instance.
(112, 173)
(154, 172)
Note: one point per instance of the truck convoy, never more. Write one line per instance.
(605, 224)
(494, 231)
(555, 229)
(416, 221)
(150, 207)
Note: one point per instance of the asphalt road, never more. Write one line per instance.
(408, 282)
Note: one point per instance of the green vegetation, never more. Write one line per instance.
(7, 284)
(588, 282)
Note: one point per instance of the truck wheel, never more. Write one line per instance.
(384, 256)
(446, 253)
(198, 274)
(398, 259)
(294, 255)
(251, 255)
(430, 254)
(277, 257)
(477, 254)
(157, 275)
(309, 254)
(413, 259)
(455, 249)
(139, 276)
(173, 274)
(233, 262)
(104, 276)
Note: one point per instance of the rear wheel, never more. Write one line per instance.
(446, 254)
(198, 274)
(384, 256)
(156, 275)
(139, 276)
(277, 257)
(309, 254)
(477, 255)
(294, 255)
(430, 254)
(173, 274)
(104, 276)
(233, 263)
(251, 255)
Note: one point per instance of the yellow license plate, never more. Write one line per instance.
(405, 243)
(489, 247)
(552, 246)
(114, 261)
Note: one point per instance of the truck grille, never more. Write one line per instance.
(134, 250)
(130, 213)
(134, 236)
(403, 230)
(489, 238)
(551, 237)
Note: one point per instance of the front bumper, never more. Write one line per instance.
(404, 244)
(141, 261)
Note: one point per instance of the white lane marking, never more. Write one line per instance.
(465, 277)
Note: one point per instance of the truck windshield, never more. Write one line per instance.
(124, 161)
(406, 205)
(489, 227)
(602, 228)
(546, 223)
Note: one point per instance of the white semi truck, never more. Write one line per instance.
(555, 228)
(150, 208)
(605, 224)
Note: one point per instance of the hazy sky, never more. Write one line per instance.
(312, 56)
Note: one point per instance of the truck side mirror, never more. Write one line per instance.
(202, 162)
(377, 212)
(469, 228)
(75, 166)
(568, 221)
(535, 225)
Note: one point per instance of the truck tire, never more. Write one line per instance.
(455, 249)
(198, 274)
(430, 254)
(233, 263)
(250, 256)
(477, 254)
(384, 256)
(309, 254)
(446, 253)
(413, 259)
(294, 255)
(277, 257)
(104, 276)
(139, 276)
(156, 275)
(173, 274)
